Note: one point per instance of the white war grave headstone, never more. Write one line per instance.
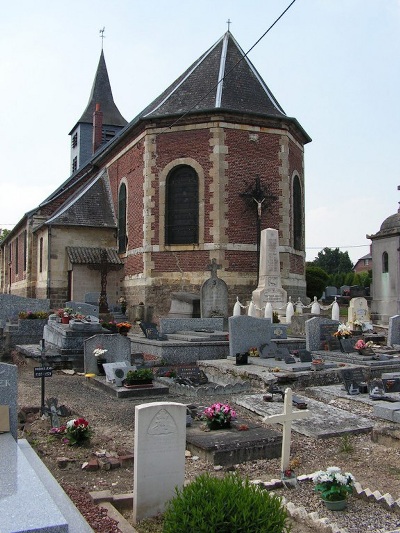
(159, 456)
(269, 284)
(286, 419)
(358, 310)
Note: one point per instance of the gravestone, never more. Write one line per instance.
(83, 308)
(110, 367)
(214, 294)
(354, 381)
(118, 349)
(394, 331)
(305, 356)
(184, 305)
(268, 350)
(150, 330)
(313, 332)
(246, 332)
(191, 375)
(159, 457)
(286, 419)
(9, 398)
(92, 298)
(358, 310)
(391, 381)
(347, 345)
(330, 292)
(269, 285)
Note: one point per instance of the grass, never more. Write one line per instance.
(346, 445)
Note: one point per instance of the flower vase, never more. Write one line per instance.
(65, 320)
(289, 482)
(214, 425)
(100, 368)
(335, 505)
(123, 331)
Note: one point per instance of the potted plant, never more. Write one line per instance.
(219, 416)
(76, 431)
(288, 476)
(334, 487)
(142, 376)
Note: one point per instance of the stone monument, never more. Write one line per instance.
(269, 284)
(214, 294)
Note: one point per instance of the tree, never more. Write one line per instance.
(3, 234)
(333, 261)
(316, 279)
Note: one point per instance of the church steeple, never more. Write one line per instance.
(112, 120)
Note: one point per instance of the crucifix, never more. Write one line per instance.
(286, 420)
(229, 23)
(256, 196)
(214, 267)
(104, 266)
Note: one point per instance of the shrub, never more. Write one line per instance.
(228, 505)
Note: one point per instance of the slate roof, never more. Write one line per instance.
(197, 89)
(102, 93)
(90, 206)
(83, 255)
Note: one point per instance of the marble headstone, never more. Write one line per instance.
(269, 285)
(159, 457)
(358, 310)
(214, 294)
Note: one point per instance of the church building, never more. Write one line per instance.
(193, 177)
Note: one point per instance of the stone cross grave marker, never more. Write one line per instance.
(286, 419)
(9, 399)
(214, 294)
(159, 457)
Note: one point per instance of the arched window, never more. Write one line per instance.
(297, 214)
(122, 237)
(182, 206)
(385, 262)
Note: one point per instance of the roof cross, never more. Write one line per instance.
(229, 23)
(102, 36)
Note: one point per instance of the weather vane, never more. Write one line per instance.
(102, 36)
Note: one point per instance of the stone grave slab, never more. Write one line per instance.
(227, 447)
(118, 349)
(154, 389)
(324, 421)
(387, 411)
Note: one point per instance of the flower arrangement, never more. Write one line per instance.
(124, 326)
(76, 431)
(142, 374)
(122, 302)
(30, 315)
(99, 351)
(219, 415)
(110, 325)
(253, 352)
(342, 331)
(332, 484)
(64, 312)
(358, 323)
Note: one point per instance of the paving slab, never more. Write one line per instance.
(228, 447)
(324, 421)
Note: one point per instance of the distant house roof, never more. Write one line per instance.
(83, 255)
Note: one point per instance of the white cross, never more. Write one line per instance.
(286, 420)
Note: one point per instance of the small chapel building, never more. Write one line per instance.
(150, 203)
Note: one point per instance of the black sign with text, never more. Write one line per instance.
(42, 371)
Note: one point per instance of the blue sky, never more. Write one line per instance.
(332, 64)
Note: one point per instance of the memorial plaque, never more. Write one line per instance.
(305, 356)
(42, 371)
(150, 330)
(347, 345)
(354, 381)
(192, 375)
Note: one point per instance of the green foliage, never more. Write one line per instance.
(138, 375)
(228, 505)
(349, 279)
(346, 445)
(3, 234)
(316, 279)
(333, 261)
(33, 314)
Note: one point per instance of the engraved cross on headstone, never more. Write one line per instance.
(213, 266)
(286, 420)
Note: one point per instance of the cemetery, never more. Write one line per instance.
(305, 388)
